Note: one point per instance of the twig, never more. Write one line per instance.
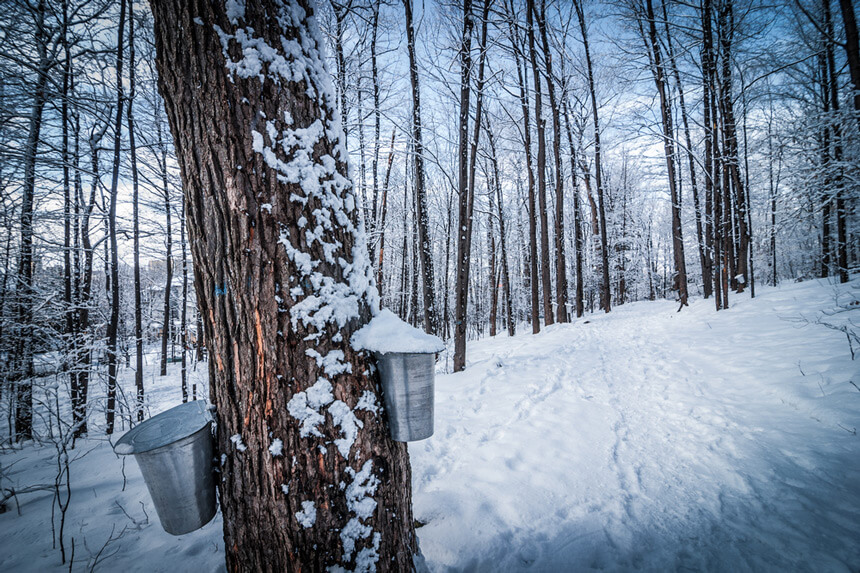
(852, 431)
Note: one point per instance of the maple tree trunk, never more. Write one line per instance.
(23, 290)
(661, 80)
(852, 50)
(168, 281)
(113, 322)
(308, 481)
(546, 281)
(431, 322)
(138, 304)
(839, 208)
(732, 178)
(383, 210)
(577, 225)
(560, 258)
(598, 175)
(531, 262)
(503, 254)
(707, 282)
(467, 157)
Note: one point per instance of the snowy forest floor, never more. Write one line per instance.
(645, 439)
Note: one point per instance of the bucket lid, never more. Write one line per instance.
(165, 428)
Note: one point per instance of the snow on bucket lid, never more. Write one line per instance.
(387, 333)
(165, 428)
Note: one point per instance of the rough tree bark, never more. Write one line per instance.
(113, 322)
(431, 322)
(852, 50)
(560, 258)
(503, 254)
(531, 262)
(577, 225)
(468, 158)
(732, 174)
(598, 176)
(840, 211)
(383, 213)
(23, 289)
(138, 310)
(546, 280)
(310, 480)
(167, 325)
(704, 257)
(661, 80)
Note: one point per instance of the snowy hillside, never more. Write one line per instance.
(644, 439)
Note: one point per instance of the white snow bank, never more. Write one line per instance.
(387, 333)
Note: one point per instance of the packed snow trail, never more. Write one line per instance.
(651, 440)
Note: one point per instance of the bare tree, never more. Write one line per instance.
(423, 223)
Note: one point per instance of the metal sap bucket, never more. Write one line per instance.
(407, 388)
(174, 450)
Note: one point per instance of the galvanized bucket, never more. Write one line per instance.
(407, 388)
(174, 451)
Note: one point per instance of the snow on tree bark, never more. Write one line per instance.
(281, 289)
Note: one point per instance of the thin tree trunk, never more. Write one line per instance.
(852, 50)
(660, 80)
(522, 73)
(113, 322)
(598, 178)
(138, 303)
(841, 251)
(773, 184)
(707, 279)
(826, 166)
(423, 224)
(546, 280)
(69, 334)
(748, 198)
(577, 224)
(466, 182)
(730, 152)
(380, 276)
(308, 481)
(183, 313)
(713, 195)
(79, 402)
(491, 242)
(560, 257)
(24, 293)
(377, 124)
(166, 326)
(503, 254)
(340, 12)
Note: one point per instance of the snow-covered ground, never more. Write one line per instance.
(644, 439)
